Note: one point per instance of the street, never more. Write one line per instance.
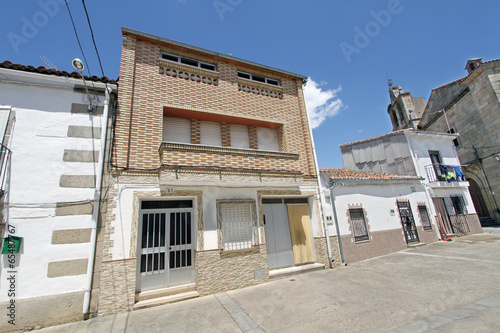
(441, 287)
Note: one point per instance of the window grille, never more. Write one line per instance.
(358, 224)
(424, 216)
(237, 225)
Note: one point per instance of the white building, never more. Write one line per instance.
(429, 155)
(51, 163)
(376, 213)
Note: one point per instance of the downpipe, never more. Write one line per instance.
(97, 202)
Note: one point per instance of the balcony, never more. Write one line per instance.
(444, 174)
(181, 161)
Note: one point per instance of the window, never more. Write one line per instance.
(424, 217)
(237, 224)
(176, 130)
(210, 133)
(436, 162)
(358, 222)
(239, 136)
(267, 139)
(188, 61)
(455, 141)
(458, 204)
(259, 78)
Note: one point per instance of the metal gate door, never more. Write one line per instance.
(278, 240)
(408, 222)
(166, 248)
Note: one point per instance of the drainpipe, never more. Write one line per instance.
(325, 226)
(97, 201)
(339, 239)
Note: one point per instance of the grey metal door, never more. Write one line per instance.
(166, 248)
(278, 239)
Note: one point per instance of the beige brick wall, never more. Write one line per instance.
(143, 92)
(117, 292)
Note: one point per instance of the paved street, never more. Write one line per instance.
(442, 287)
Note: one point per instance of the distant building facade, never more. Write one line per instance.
(471, 106)
(431, 156)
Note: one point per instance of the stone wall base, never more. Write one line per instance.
(117, 289)
(221, 271)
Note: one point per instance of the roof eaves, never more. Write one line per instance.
(215, 54)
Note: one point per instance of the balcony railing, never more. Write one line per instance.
(4, 167)
(444, 173)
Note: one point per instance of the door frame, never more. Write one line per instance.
(138, 240)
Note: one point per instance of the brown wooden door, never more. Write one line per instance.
(300, 231)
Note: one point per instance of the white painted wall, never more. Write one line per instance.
(39, 137)
(377, 200)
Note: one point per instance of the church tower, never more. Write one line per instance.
(405, 110)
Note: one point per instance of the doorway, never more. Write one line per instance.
(408, 222)
(166, 244)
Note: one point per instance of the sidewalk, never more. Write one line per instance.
(442, 287)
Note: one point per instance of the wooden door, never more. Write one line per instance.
(300, 231)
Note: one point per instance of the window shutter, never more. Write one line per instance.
(267, 139)
(210, 133)
(176, 130)
(239, 136)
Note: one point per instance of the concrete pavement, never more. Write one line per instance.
(441, 287)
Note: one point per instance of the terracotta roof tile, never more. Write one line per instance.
(43, 70)
(338, 173)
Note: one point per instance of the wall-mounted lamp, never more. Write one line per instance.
(497, 157)
(78, 65)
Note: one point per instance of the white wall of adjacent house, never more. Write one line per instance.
(379, 200)
(38, 142)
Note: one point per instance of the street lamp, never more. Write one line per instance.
(78, 65)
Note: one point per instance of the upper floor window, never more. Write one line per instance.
(258, 78)
(188, 61)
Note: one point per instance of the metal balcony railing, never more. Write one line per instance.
(444, 173)
(5, 154)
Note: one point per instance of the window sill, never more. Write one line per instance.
(232, 253)
(361, 241)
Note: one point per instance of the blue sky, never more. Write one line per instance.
(347, 48)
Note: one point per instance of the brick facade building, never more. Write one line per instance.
(213, 184)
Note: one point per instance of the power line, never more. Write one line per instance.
(78, 39)
(93, 40)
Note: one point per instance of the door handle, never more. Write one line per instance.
(169, 248)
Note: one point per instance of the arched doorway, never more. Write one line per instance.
(477, 198)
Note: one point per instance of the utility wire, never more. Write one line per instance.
(78, 39)
(93, 40)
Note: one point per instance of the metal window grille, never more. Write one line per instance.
(358, 224)
(237, 225)
(424, 216)
(456, 209)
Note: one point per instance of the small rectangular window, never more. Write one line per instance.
(207, 66)
(358, 223)
(189, 62)
(424, 216)
(273, 82)
(259, 78)
(244, 75)
(169, 57)
(237, 225)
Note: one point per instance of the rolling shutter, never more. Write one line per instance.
(239, 136)
(267, 139)
(176, 130)
(210, 133)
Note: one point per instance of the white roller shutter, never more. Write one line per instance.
(176, 130)
(267, 139)
(210, 133)
(239, 136)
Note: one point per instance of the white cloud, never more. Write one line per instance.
(320, 103)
